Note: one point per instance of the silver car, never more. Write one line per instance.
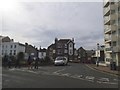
(61, 61)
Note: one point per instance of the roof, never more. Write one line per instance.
(21, 44)
(90, 52)
(64, 40)
(81, 48)
(43, 50)
(5, 39)
(51, 46)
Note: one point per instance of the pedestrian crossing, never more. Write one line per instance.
(75, 76)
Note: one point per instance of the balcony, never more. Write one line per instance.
(106, 3)
(107, 11)
(108, 39)
(107, 20)
(107, 29)
(108, 49)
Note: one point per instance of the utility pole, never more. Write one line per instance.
(97, 62)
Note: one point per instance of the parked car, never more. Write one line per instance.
(61, 61)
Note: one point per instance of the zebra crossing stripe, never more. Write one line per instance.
(103, 79)
(90, 78)
(66, 74)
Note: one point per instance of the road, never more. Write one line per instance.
(75, 75)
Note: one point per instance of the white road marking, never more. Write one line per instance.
(116, 80)
(59, 70)
(11, 69)
(90, 78)
(66, 74)
(32, 71)
(77, 76)
(107, 82)
(104, 79)
(55, 73)
(80, 76)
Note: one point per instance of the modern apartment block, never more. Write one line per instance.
(112, 31)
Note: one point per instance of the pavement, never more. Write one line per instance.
(105, 69)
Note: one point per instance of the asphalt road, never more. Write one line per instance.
(74, 75)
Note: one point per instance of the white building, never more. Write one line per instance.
(42, 53)
(11, 48)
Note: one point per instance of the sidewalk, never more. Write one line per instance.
(103, 69)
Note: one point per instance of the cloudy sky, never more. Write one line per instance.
(38, 23)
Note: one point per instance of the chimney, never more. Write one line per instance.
(12, 40)
(26, 44)
(56, 39)
(73, 39)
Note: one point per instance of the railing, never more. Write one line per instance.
(105, 2)
(107, 28)
(108, 38)
(106, 19)
(106, 9)
(108, 49)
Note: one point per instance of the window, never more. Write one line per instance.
(118, 20)
(11, 46)
(59, 52)
(2, 52)
(65, 45)
(14, 52)
(59, 46)
(2, 46)
(119, 9)
(53, 51)
(5, 51)
(41, 53)
(112, 11)
(113, 22)
(15, 46)
(114, 32)
(114, 43)
(70, 45)
(10, 52)
(65, 51)
(70, 52)
(112, 3)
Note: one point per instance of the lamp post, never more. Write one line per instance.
(97, 55)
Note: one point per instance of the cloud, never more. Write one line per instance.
(39, 23)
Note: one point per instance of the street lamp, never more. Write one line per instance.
(97, 62)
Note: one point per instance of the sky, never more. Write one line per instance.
(39, 23)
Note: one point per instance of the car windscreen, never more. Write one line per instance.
(61, 58)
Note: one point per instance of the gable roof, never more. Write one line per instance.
(51, 46)
(42, 50)
(5, 39)
(65, 41)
